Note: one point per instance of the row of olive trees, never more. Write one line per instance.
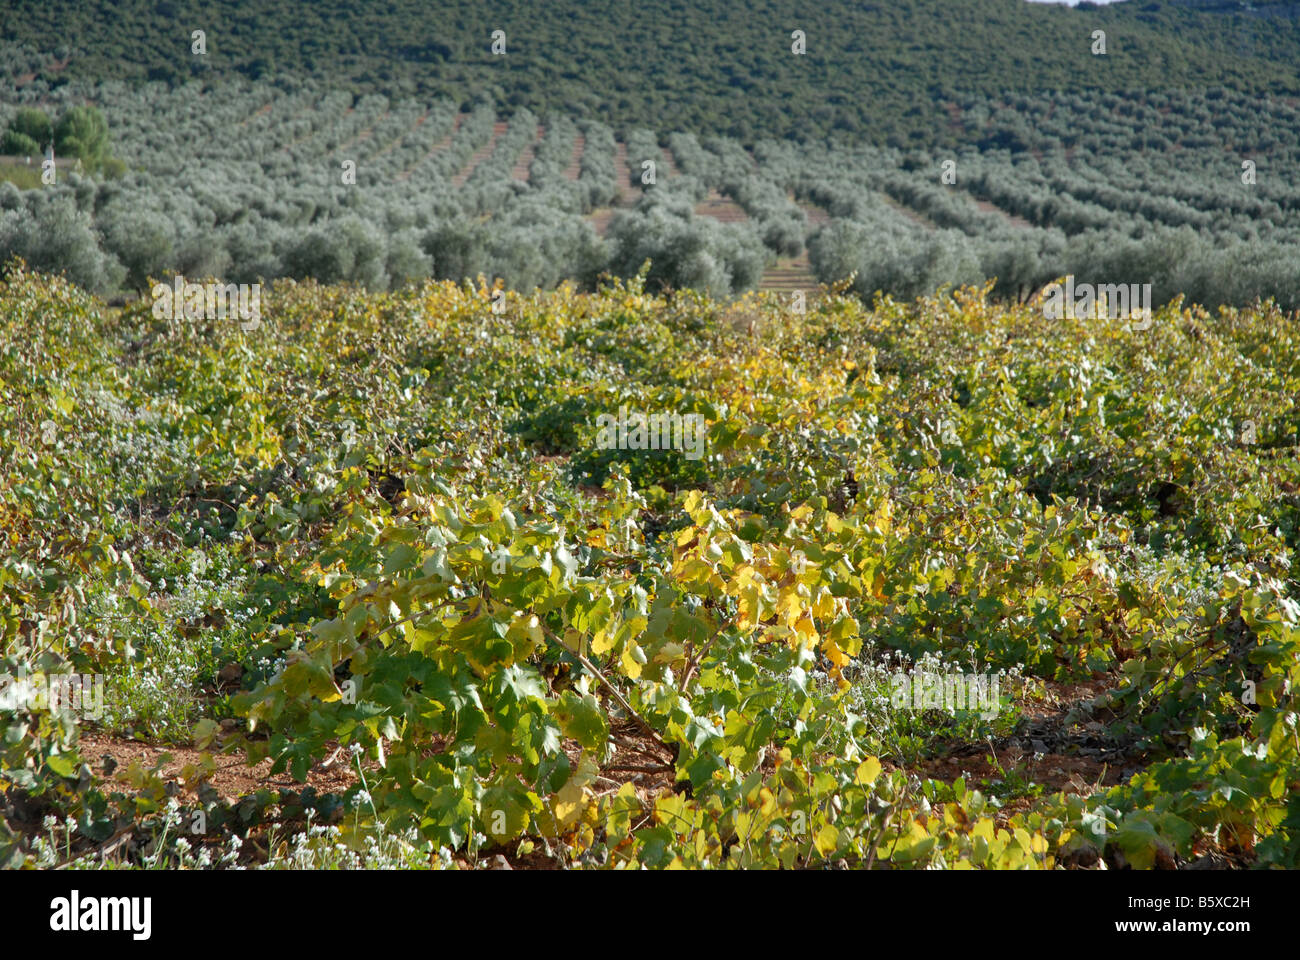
(53, 235)
(596, 168)
(535, 245)
(552, 154)
(684, 251)
(1135, 122)
(881, 256)
(694, 160)
(644, 157)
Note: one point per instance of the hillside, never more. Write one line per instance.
(872, 70)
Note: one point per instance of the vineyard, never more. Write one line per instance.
(370, 582)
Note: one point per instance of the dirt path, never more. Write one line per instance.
(572, 171)
(232, 780)
(790, 274)
(520, 169)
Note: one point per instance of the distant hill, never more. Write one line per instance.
(875, 70)
(1289, 11)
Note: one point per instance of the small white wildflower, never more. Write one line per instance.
(172, 814)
